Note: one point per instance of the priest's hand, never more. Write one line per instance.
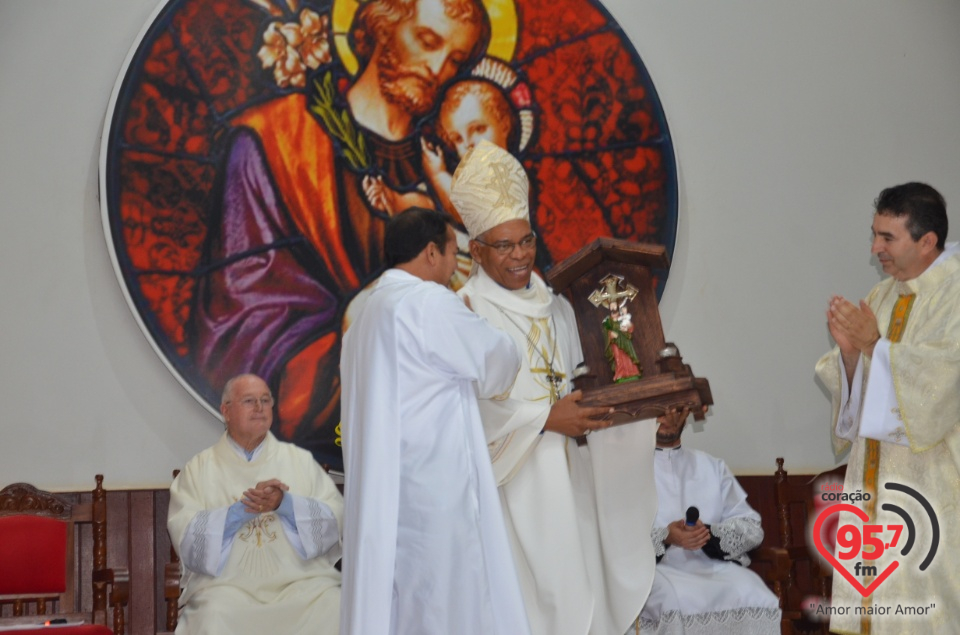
(839, 334)
(569, 418)
(691, 538)
(265, 497)
(853, 327)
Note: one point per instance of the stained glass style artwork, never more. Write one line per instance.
(253, 150)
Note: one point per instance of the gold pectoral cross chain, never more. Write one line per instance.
(554, 377)
(554, 380)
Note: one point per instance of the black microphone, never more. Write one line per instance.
(693, 515)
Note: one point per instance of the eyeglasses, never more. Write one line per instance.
(251, 402)
(505, 247)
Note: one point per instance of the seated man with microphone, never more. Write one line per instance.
(702, 533)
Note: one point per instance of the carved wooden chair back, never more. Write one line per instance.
(43, 569)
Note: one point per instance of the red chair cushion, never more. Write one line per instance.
(79, 629)
(33, 555)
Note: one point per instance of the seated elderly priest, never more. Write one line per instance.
(256, 523)
(703, 531)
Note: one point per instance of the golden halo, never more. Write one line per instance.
(503, 26)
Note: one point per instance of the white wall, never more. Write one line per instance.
(788, 118)
(81, 390)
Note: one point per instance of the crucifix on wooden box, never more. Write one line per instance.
(627, 363)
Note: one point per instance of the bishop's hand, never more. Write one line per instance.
(569, 418)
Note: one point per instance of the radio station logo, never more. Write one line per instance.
(858, 550)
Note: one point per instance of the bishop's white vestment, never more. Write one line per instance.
(908, 398)
(709, 590)
(425, 550)
(271, 576)
(578, 517)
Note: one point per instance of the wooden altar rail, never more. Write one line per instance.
(137, 538)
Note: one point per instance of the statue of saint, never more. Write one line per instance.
(620, 352)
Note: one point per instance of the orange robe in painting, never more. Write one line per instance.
(296, 241)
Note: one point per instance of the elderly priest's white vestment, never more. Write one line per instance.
(273, 575)
(907, 399)
(425, 549)
(578, 517)
(709, 590)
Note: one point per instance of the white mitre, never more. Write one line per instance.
(489, 188)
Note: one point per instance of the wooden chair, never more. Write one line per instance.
(171, 590)
(171, 586)
(43, 572)
(806, 577)
(773, 565)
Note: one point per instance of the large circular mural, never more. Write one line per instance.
(254, 149)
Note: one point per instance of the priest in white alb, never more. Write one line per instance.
(703, 531)
(425, 551)
(894, 376)
(256, 523)
(578, 517)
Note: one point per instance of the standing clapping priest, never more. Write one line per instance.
(895, 380)
(578, 518)
(425, 551)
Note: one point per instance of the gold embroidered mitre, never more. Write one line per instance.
(489, 188)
